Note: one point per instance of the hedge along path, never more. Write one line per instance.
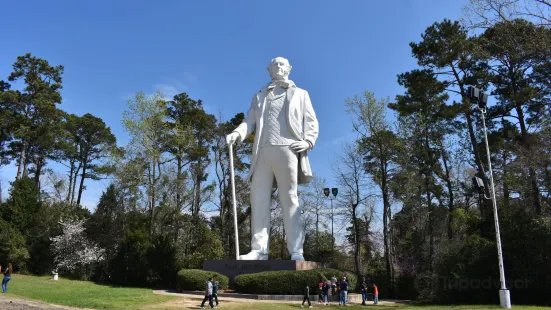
(194, 279)
(290, 282)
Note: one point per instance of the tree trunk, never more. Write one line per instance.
(40, 163)
(449, 186)
(428, 172)
(153, 185)
(368, 244)
(197, 190)
(431, 228)
(81, 186)
(27, 162)
(179, 182)
(505, 184)
(71, 171)
(22, 159)
(548, 181)
(531, 171)
(75, 182)
(386, 236)
(178, 197)
(356, 239)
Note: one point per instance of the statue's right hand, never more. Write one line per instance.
(232, 137)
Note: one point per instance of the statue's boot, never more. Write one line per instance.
(253, 255)
(297, 256)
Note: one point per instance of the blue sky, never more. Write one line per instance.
(217, 51)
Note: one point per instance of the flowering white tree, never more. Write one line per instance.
(72, 248)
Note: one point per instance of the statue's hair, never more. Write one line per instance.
(275, 59)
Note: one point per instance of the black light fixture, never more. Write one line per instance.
(326, 192)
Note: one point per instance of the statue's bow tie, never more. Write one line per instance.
(283, 84)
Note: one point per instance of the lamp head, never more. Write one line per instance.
(477, 96)
(478, 184)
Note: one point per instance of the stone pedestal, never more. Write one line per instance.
(233, 268)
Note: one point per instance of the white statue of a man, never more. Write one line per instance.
(286, 128)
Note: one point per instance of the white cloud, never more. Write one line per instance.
(171, 87)
(169, 91)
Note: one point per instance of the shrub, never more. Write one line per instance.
(194, 279)
(289, 282)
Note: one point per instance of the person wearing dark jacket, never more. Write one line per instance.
(363, 290)
(306, 297)
(215, 288)
(344, 291)
(326, 290)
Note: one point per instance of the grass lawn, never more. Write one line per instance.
(85, 294)
(194, 304)
(82, 294)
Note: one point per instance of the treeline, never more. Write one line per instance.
(440, 243)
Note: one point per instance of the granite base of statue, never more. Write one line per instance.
(233, 268)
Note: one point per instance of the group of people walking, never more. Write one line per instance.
(211, 292)
(7, 277)
(334, 290)
(328, 291)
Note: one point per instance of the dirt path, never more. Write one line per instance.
(191, 299)
(15, 303)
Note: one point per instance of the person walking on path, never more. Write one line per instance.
(363, 290)
(333, 285)
(344, 291)
(215, 288)
(7, 278)
(306, 297)
(375, 294)
(326, 286)
(208, 294)
(320, 292)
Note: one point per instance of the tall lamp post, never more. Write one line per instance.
(326, 192)
(480, 98)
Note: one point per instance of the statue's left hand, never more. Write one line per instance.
(300, 146)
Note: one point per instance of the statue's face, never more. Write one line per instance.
(279, 68)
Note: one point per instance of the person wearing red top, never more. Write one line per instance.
(320, 292)
(375, 293)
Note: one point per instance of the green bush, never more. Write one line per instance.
(194, 279)
(289, 282)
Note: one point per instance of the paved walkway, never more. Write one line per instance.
(263, 298)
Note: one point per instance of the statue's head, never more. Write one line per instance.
(279, 68)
